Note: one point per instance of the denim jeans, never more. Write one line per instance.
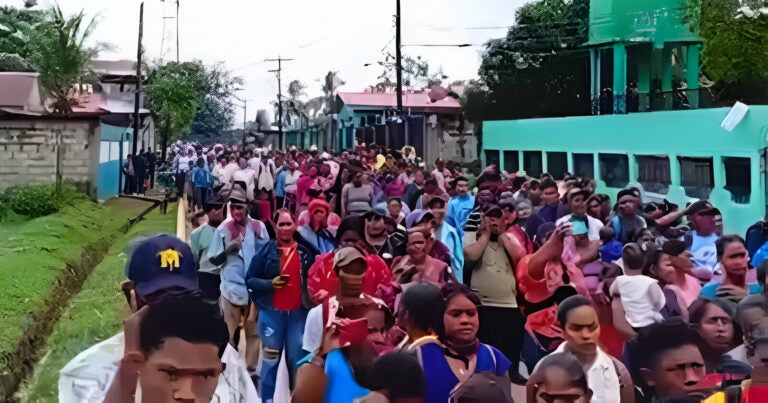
(279, 330)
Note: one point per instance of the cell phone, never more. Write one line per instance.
(352, 331)
(285, 277)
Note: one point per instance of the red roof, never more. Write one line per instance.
(416, 102)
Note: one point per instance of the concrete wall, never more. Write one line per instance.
(444, 143)
(28, 150)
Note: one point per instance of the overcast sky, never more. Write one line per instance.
(340, 35)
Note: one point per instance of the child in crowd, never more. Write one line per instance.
(640, 295)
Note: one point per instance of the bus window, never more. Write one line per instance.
(532, 163)
(557, 164)
(584, 165)
(511, 161)
(738, 179)
(492, 157)
(614, 170)
(653, 173)
(696, 176)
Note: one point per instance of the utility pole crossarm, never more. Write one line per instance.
(279, 61)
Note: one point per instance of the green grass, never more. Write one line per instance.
(95, 314)
(35, 252)
(43, 263)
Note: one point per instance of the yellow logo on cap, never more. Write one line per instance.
(170, 259)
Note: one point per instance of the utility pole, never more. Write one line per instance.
(245, 116)
(398, 60)
(177, 31)
(279, 61)
(137, 96)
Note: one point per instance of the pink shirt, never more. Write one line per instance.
(688, 292)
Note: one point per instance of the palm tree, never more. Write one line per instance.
(322, 106)
(62, 58)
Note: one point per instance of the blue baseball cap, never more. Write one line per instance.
(417, 217)
(160, 262)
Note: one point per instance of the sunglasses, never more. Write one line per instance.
(237, 206)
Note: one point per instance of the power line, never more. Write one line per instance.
(459, 45)
(249, 65)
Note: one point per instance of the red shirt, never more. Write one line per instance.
(288, 298)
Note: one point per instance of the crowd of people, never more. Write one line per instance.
(377, 278)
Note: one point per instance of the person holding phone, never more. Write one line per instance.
(355, 328)
(576, 199)
(277, 284)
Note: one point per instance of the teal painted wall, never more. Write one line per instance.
(108, 174)
(637, 21)
(690, 133)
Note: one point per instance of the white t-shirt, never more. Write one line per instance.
(88, 377)
(704, 251)
(601, 377)
(639, 307)
(313, 329)
(246, 175)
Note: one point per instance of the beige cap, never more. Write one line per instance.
(345, 256)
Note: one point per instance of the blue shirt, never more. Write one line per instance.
(459, 208)
(710, 290)
(322, 244)
(201, 177)
(439, 377)
(280, 183)
(341, 386)
(450, 237)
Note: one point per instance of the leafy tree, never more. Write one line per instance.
(58, 52)
(414, 70)
(735, 52)
(296, 90)
(190, 98)
(315, 109)
(16, 27)
(539, 69)
(215, 114)
(174, 93)
(14, 62)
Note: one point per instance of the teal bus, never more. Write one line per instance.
(682, 156)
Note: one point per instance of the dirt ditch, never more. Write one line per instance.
(41, 321)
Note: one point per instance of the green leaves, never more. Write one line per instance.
(174, 93)
(735, 53)
(539, 69)
(37, 200)
(58, 53)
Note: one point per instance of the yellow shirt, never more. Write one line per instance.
(494, 279)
